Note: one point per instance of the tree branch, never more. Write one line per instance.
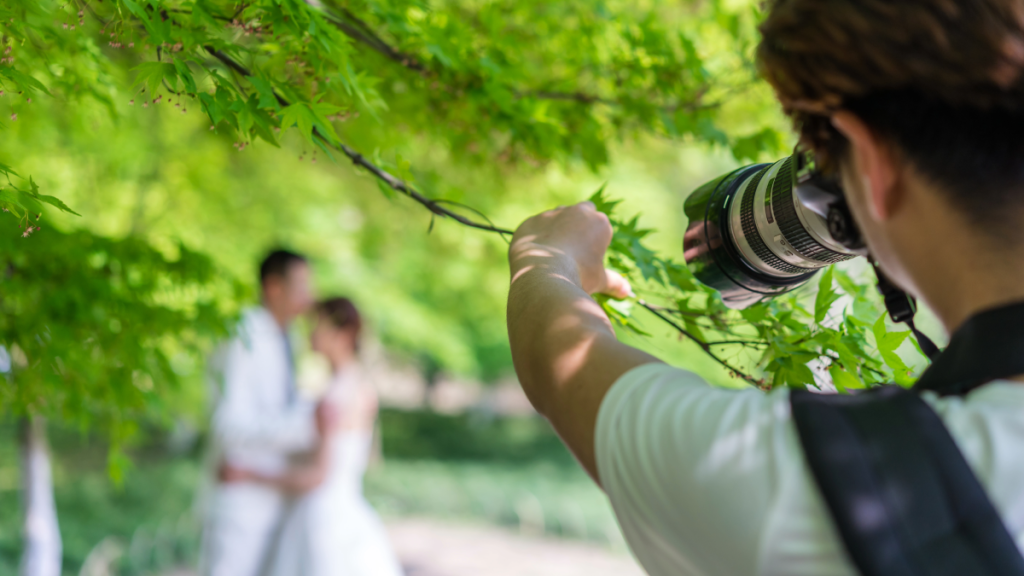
(706, 347)
(353, 27)
(359, 160)
(435, 207)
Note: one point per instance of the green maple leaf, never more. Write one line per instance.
(887, 343)
(827, 296)
(844, 380)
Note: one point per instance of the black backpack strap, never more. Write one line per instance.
(903, 498)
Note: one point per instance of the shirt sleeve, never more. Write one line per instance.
(245, 420)
(692, 471)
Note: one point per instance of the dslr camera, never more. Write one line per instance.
(765, 229)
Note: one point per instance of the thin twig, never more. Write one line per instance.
(362, 32)
(704, 345)
(584, 98)
(719, 324)
(475, 211)
(361, 161)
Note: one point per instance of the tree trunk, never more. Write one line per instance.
(41, 553)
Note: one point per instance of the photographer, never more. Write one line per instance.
(918, 107)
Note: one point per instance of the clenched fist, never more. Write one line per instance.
(579, 233)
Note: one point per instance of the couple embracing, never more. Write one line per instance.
(288, 500)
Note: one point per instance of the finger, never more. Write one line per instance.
(617, 286)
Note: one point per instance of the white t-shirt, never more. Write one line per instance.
(709, 481)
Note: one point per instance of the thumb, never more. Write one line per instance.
(616, 286)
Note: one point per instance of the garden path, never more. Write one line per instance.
(434, 548)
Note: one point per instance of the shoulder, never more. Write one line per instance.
(988, 428)
(351, 388)
(987, 425)
(255, 325)
(256, 318)
(664, 396)
(705, 468)
(666, 412)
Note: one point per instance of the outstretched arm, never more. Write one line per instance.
(564, 349)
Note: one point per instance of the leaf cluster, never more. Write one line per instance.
(94, 326)
(499, 80)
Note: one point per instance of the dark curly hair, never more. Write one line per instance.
(941, 79)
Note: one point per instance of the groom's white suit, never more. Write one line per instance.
(258, 423)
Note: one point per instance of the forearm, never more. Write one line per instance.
(563, 346)
(552, 323)
(564, 349)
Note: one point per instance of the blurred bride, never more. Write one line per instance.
(331, 529)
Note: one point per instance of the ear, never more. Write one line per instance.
(873, 161)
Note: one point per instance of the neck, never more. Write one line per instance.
(967, 295)
(965, 274)
(945, 259)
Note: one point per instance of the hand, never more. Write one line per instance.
(229, 474)
(578, 232)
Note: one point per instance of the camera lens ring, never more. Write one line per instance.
(749, 241)
(792, 226)
(727, 257)
(753, 236)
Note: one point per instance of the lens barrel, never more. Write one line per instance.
(751, 236)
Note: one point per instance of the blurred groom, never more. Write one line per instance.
(259, 421)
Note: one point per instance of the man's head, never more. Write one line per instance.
(919, 104)
(286, 285)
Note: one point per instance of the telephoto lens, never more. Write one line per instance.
(765, 229)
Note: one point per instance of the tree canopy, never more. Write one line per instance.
(521, 81)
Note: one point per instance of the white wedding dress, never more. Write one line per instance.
(332, 530)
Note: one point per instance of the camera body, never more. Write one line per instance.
(766, 229)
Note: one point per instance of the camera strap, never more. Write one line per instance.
(901, 308)
(987, 347)
(903, 498)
